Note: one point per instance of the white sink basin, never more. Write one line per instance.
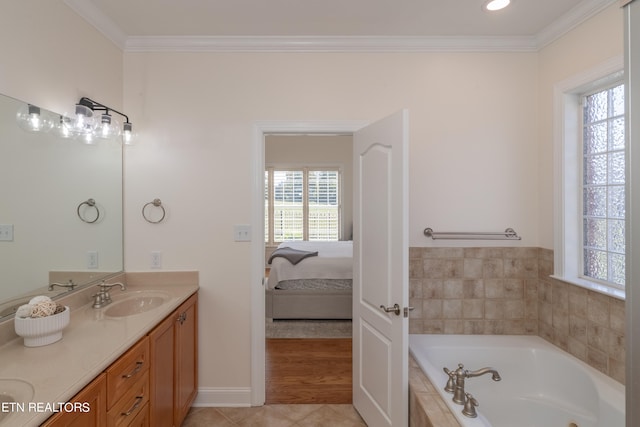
(14, 390)
(136, 303)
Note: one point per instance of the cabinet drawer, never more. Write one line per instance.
(134, 401)
(142, 419)
(127, 370)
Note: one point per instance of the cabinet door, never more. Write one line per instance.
(95, 394)
(161, 346)
(186, 368)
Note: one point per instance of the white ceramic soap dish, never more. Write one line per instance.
(41, 331)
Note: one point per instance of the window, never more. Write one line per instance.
(589, 247)
(603, 185)
(302, 204)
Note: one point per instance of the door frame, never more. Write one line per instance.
(260, 129)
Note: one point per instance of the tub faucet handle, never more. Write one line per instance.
(470, 404)
(451, 382)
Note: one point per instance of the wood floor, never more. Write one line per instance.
(304, 370)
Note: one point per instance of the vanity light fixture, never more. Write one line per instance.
(32, 119)
(87, 127)
(493, 5)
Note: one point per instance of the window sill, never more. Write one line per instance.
(593, 286)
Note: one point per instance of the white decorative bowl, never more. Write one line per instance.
(41, 331)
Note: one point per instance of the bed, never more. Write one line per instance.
(315, 284)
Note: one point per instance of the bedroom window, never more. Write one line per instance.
(302, 204)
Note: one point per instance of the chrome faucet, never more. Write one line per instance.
(103, 297)
(455, 384)
(69, 285)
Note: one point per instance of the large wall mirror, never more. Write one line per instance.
(46, 182)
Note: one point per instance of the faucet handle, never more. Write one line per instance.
(470, 404)
(451, 382)
(98, 300)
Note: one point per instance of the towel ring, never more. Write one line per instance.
(157, 203)
(92, 204)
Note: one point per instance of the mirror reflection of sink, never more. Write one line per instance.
(136, 303)
(14, 391)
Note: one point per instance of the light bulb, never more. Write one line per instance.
(88, 138)
(83, 123)
(108, 127)
(128, 137)
(63, 128)
(32, 119)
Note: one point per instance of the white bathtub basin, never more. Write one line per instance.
(541, 385)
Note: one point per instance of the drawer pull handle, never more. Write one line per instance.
(135, 370)
(134, 407)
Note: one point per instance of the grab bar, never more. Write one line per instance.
(508, 234)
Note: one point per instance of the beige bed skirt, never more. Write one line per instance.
(308, 304)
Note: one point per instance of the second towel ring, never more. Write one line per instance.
(92, 204)
(157, 203)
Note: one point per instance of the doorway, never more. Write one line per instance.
(258, 323)
(380, 189)
(308, 206)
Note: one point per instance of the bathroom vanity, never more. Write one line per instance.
(130, 363)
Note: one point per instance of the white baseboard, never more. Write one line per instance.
(229, 397)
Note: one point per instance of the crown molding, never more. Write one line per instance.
(346, 44)
(567, 22)
(329, 44)
(99, 21)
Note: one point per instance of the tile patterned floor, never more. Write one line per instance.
(276, 416)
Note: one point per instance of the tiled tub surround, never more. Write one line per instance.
(504, 290)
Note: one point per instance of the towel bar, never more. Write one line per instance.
(508, 234)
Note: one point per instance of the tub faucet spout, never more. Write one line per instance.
(494, 374)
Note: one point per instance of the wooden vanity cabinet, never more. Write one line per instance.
(153, 384)
(95, 394)
(174, 353)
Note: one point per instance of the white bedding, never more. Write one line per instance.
(334, 261)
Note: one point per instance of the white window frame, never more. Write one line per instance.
(568, 174)
(269, 228)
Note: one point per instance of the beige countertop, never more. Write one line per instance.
(90, 343)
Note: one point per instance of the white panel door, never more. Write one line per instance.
(380, 274)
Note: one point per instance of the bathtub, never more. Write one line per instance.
(541, 385)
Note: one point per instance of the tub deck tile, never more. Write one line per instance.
(426, 407)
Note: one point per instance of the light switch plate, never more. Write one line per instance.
(242, 233)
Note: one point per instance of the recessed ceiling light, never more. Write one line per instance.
(493, 5)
